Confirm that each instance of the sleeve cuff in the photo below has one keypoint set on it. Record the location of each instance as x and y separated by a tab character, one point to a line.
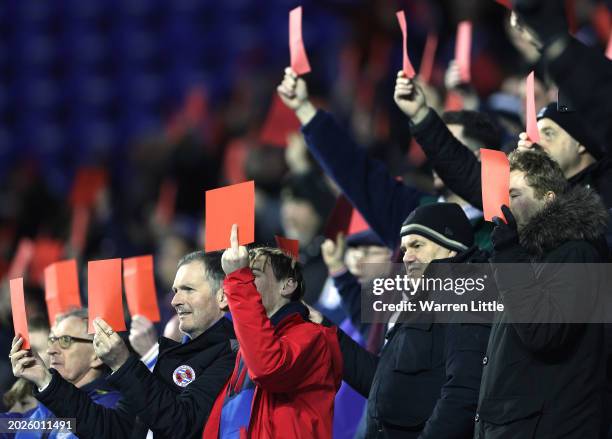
50	388
124	370
150	355
315	122
425	124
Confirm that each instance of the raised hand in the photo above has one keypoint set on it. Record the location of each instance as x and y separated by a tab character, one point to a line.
410	98
333	254
236	256
108	346
142	334
294	94
28	365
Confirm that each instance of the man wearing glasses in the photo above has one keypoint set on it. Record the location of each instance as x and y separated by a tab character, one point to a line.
72	356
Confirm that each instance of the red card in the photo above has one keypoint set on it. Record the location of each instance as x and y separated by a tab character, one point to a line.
506	3
290	246
495	179
79	227
358	224
429	56
20	320
46	252
530	111
339	219
87	184
140	289
61	288
104	298
166	202
454	101
23	257
299	59
609	48
463	49
280	122
570	15
406	65
229	205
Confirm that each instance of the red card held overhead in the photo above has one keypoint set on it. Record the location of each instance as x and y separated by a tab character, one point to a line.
290	246
166	202
20	320
229	205
429	57
46	252
340	218
78	229
280	122
506	3
299	59
104	293
358	223
88	182
530	110
406	64
22	259
61	288
463	50
140	291
495	179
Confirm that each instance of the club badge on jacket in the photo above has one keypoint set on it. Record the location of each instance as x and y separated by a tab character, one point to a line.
183	375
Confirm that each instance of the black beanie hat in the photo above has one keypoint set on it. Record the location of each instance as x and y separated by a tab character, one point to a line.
443	223
571	123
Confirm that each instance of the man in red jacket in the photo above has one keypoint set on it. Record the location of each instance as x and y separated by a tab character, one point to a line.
288	369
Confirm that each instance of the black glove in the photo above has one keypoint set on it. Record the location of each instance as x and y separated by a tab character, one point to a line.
504	235
545	18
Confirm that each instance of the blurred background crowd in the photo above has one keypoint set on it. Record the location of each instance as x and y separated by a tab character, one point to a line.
117	115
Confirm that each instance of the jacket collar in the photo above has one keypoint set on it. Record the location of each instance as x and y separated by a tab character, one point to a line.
287	310
577	214
218	332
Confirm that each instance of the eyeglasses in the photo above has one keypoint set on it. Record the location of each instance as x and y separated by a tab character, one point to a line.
65	341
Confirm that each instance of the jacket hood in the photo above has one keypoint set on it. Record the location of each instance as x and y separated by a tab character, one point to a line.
577	214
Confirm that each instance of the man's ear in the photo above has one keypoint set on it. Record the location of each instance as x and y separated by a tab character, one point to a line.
221	300
289	287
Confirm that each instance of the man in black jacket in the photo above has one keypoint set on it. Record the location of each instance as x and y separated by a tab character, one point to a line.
544	373
425	382
460	170
175	400
583	73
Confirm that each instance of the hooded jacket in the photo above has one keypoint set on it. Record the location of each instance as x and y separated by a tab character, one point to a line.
544	373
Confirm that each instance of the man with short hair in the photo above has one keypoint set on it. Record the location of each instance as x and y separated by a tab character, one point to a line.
562	136
173	401
288	369
544	372
565	139
73	360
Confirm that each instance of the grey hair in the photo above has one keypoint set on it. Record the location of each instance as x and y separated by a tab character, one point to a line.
213	271
80	313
